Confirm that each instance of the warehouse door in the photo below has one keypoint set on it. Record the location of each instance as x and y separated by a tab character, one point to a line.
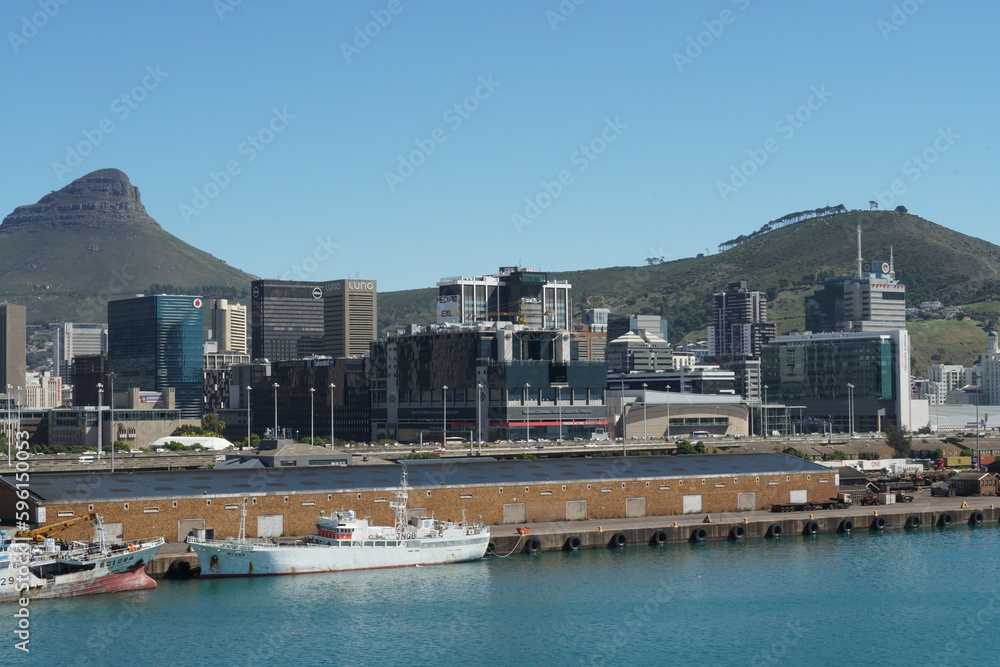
798	496
576	510
635	507
270	525
513	513
692	504
746	502
185	526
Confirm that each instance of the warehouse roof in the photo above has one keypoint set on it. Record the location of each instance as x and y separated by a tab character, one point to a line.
81	487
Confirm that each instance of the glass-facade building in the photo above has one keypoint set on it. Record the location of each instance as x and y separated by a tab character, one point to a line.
286	319
155	342
814	370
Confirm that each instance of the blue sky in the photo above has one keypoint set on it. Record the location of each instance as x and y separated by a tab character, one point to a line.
454	138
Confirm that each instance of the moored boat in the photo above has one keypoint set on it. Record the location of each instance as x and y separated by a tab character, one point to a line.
342	541
49	569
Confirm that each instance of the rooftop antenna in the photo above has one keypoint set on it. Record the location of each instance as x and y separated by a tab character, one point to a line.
859	251
892	266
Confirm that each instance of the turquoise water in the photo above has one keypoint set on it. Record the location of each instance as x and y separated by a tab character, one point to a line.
896	598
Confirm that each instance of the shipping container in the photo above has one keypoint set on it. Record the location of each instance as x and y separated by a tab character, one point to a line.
958	461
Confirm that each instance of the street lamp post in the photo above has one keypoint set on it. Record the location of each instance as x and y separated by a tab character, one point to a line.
312	416
645	433
559	407
850	412
527	414
7	425
624	425
479	426
111	416
333	442
248	416
275	434
444	417
100	406
668	412
763	414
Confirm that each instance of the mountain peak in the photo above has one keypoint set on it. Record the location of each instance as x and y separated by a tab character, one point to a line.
102	197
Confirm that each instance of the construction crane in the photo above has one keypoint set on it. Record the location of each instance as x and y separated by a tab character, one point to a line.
39	534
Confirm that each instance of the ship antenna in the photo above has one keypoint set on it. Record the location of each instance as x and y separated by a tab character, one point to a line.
243	519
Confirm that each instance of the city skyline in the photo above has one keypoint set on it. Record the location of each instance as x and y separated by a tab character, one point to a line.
494	134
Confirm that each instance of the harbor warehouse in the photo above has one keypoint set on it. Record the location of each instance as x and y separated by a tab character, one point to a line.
288	501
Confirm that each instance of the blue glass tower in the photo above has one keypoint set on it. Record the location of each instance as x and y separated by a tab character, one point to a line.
155	342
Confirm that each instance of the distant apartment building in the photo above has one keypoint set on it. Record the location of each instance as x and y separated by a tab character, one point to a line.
988	371
286	319
943	379
589	339
226	324
42	390
640	351
71	339
350	317
156	342
514	294
740	327
872	300
13	345
217	373
89	370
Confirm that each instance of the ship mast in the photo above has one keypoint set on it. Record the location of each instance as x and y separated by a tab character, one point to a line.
399	507
243	520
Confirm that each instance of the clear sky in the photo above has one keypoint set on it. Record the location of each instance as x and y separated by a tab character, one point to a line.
456	137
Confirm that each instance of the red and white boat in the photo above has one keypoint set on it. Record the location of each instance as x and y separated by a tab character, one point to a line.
52	570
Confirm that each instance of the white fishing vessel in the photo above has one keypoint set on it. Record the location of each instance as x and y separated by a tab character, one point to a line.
35	566
342	542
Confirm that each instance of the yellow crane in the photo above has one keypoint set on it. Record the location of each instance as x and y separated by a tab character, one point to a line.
39	534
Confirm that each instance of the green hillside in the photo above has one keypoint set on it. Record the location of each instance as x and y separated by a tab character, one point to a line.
67	255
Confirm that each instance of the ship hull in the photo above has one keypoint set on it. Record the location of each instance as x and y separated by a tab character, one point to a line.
235	560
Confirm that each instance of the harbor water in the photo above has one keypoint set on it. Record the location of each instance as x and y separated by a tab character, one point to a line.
929	596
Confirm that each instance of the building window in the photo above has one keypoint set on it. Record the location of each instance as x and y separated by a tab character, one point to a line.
647	485
126	504
329	496
501	489
465	496
208	503
232	506
525	489
90	508
736	480
773	483
664	487
173	503
808	477
756	479
606	489
150	510
788	479
720	485
286	497
253	501
824	480
308	503
359	497
702	481
428	494
66	513
545	493
588	487
377	500
623	485
563	487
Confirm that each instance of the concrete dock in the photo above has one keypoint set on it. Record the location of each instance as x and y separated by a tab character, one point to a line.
924	513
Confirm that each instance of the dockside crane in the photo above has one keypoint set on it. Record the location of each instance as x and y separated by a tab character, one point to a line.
39	534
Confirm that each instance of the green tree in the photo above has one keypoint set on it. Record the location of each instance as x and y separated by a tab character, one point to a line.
211	424
836	455
899	440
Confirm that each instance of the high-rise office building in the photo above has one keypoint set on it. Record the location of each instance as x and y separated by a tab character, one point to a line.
155	342
513	294
875	301
286	319
71	339
741	327
227	326
350	317
988	371
13	345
